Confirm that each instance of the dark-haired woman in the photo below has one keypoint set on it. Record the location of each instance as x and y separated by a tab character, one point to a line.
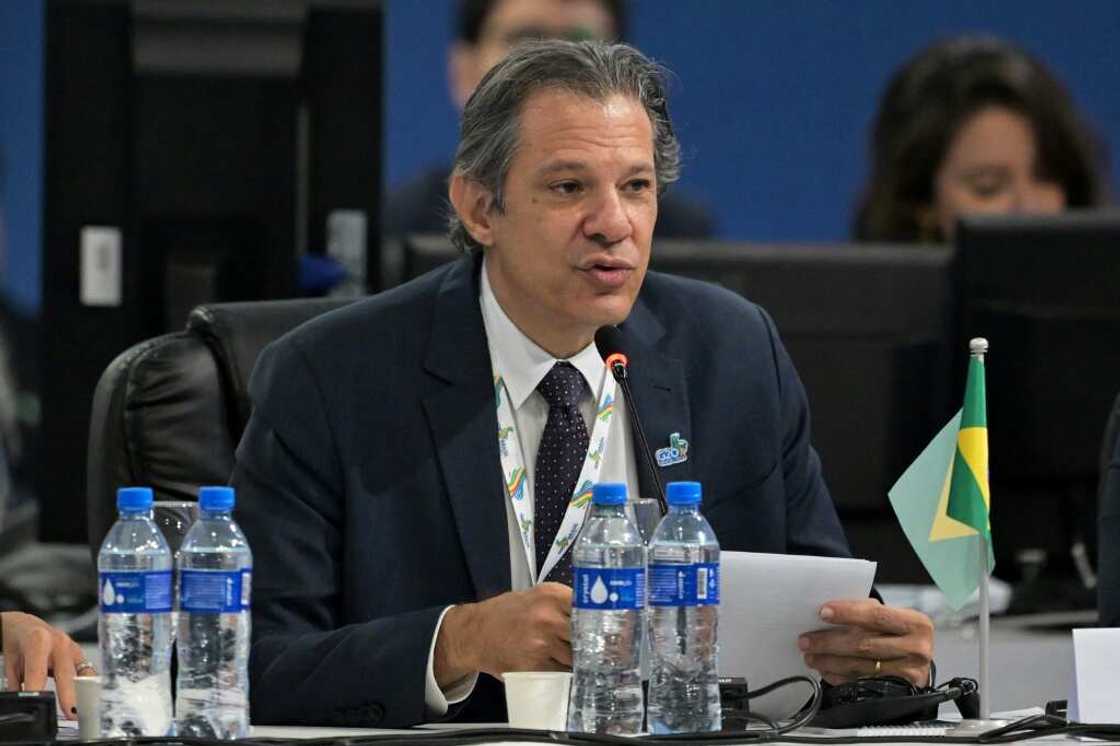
973	125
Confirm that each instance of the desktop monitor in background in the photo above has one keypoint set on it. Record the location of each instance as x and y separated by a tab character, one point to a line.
1045	291
868	329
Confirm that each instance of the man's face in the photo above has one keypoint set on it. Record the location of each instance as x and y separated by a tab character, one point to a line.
569	252
513	21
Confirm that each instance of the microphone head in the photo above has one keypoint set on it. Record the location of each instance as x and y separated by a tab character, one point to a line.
608	341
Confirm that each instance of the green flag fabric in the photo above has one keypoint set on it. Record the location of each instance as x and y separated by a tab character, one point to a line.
968	494
947	547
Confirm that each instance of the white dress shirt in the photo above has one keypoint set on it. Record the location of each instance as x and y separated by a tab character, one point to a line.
523	364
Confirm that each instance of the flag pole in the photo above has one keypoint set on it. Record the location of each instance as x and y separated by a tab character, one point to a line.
978	347
985	618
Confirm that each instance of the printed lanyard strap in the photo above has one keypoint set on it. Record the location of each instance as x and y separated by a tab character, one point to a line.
514	474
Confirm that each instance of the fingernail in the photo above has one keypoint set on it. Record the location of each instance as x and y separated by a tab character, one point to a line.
803	643
826	613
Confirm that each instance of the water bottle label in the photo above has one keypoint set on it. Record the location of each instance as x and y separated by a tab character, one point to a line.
609	588
684	585
135	591
246	586
215	591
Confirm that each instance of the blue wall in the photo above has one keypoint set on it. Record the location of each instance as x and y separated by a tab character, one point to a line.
21	147
773	98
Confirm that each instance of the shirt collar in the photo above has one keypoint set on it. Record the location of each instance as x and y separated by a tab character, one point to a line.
520	361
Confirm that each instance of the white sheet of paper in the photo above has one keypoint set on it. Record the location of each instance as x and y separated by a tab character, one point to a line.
1096	659
766	602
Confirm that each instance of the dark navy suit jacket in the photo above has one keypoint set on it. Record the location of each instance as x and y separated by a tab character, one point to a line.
370	489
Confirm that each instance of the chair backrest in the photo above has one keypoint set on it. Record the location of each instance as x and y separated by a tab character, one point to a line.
169	412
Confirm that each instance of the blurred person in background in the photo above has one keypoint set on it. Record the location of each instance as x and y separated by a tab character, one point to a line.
485	32
973	125
34	650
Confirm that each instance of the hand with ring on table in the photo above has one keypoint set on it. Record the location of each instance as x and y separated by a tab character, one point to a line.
34	650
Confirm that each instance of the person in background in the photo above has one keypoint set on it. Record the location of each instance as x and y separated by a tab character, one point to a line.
973	125
34	650
485	32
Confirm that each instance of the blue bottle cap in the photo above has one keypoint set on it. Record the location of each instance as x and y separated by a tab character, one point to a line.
134	498
609	493
683	493
215	498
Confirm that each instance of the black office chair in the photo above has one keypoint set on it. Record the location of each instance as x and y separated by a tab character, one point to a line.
1108	543
169	412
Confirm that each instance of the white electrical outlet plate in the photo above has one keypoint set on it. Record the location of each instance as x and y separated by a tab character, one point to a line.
101	266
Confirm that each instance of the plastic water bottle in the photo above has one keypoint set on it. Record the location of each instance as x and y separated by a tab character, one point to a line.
215	581
684	617
609	574
134	627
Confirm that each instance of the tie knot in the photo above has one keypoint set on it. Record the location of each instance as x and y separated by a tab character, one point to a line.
562	386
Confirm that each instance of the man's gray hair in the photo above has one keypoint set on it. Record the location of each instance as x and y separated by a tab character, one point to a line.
488	135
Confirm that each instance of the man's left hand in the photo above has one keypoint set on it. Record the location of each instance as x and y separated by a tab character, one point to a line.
871	640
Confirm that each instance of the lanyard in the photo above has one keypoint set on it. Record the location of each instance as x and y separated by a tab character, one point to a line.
514	473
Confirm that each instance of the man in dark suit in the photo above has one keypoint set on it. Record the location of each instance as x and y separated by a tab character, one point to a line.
410	476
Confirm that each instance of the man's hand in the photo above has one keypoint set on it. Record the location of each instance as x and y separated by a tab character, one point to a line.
873	640
518	631
33	650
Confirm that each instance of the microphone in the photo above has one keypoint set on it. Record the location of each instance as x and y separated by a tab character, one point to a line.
611	347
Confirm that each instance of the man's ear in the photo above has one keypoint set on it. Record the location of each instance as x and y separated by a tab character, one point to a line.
462	72
472	203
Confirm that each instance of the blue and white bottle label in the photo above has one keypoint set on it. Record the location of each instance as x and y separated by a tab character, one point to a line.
684	585
135	591
215	591
609	588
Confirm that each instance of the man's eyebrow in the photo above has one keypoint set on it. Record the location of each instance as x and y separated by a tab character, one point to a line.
577	166
640	168
557	166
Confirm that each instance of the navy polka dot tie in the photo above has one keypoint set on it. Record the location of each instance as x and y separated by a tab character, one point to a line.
559	462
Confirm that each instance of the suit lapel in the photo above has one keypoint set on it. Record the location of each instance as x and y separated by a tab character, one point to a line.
660	396
464	424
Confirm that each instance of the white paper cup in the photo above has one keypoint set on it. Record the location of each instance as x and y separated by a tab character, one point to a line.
88	689
538	699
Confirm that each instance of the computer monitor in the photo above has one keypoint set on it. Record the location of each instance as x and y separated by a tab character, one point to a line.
1044	291
868	328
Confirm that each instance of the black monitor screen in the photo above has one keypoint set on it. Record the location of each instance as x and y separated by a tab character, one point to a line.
1045	291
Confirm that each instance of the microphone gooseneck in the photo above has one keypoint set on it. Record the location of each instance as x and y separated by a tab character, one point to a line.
609	343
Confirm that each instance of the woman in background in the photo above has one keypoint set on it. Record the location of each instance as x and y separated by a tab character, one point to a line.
973	125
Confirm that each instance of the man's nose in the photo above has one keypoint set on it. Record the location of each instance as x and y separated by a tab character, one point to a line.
609	221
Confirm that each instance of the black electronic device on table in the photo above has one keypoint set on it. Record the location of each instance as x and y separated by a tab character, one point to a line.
890	700
28	716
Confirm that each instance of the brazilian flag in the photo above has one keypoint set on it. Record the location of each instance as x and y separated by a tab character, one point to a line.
968	491
942	499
